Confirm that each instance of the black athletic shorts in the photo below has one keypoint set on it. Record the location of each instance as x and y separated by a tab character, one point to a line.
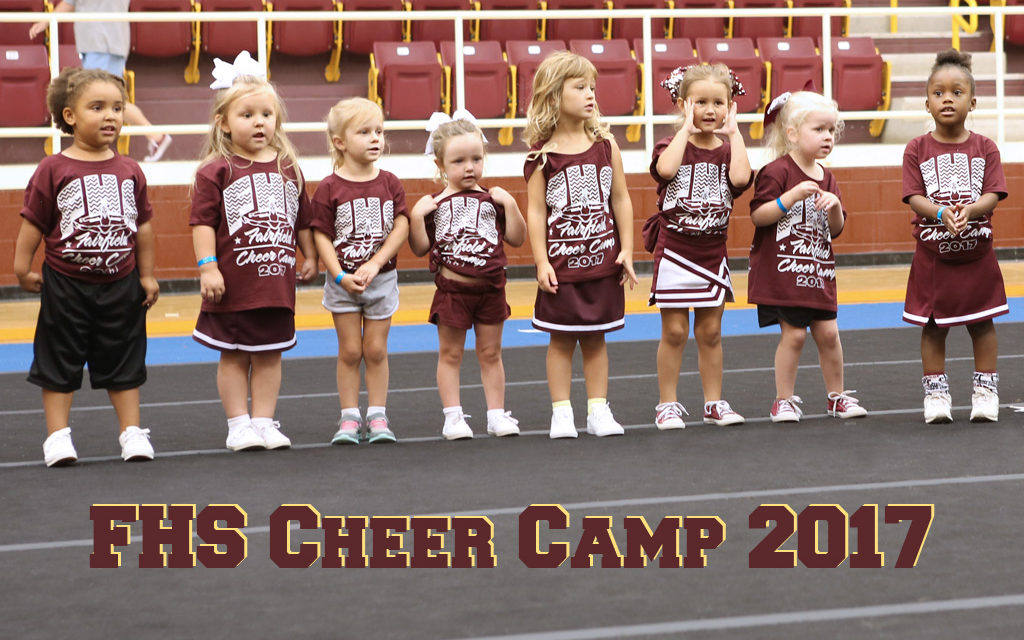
79	322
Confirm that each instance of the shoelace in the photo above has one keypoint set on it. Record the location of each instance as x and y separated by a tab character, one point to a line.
845	397
508	416
672	410
722	406
133	435
349	425
792	403
379	424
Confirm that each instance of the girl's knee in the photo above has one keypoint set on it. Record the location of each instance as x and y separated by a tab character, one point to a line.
375	353
709	335
350	354
674	335
488	353
450	353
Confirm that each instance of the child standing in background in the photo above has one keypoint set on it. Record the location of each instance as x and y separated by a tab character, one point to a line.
953	180
797	211
580	219
90	206
248	203
359	224
698	176
464	228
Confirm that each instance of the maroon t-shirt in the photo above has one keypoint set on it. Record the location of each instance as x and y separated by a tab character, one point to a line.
791	261
698	200
583	241
255	212
358	216
89	214
467	233
949	174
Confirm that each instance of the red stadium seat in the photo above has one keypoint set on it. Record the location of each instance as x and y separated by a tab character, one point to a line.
24	77
17	32
166	39
507	29
616	74
68	56
666	56
227	39
586	29
631	29
861	80
359	37
308	38
760	27
486	73
792	63
739	55
437	31
694	28
1013	26
405	79
523	59
811	27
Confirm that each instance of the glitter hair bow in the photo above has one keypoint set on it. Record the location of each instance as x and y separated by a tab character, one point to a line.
775	106
675	80
225	73
439	118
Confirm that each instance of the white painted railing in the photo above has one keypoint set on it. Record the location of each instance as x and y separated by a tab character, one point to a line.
648	119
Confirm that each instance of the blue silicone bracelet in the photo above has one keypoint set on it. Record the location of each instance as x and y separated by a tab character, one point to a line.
338	278
205	260
778	201
938	216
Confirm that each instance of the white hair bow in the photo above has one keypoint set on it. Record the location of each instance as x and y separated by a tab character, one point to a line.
224	73
439	117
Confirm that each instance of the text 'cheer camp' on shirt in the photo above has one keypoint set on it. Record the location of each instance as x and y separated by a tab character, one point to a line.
89	214
791	261
467	233
949	174
256	212
582	239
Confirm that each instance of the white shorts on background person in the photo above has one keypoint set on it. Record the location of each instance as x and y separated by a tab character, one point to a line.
378	302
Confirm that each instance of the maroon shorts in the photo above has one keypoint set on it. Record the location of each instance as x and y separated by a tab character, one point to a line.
591	306
953	293
463	304
271	329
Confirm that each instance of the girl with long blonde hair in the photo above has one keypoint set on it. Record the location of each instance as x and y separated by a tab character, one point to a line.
248	209
580	222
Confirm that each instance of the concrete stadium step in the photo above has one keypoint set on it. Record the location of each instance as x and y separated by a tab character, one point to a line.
902	131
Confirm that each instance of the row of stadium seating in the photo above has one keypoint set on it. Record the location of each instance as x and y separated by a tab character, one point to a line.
314	38
403	73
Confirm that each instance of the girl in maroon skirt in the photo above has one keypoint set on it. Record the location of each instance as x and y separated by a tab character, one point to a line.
249	208
464	227
952	180
581	234
796	211
698	175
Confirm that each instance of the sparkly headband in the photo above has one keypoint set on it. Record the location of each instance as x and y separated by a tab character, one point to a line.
772	112
675	80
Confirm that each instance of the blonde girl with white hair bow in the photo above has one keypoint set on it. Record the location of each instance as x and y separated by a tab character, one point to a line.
464	228
249	211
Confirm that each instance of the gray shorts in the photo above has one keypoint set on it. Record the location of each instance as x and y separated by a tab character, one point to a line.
378	302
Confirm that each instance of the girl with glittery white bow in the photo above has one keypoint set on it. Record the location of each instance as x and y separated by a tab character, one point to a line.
463	227
249	209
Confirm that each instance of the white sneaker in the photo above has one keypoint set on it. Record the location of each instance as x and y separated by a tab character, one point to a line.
601	423
503	425
787	409
135	445
457	429
669	415
938	408
563	423
58	449
272	436
244	438
157	149
984	405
